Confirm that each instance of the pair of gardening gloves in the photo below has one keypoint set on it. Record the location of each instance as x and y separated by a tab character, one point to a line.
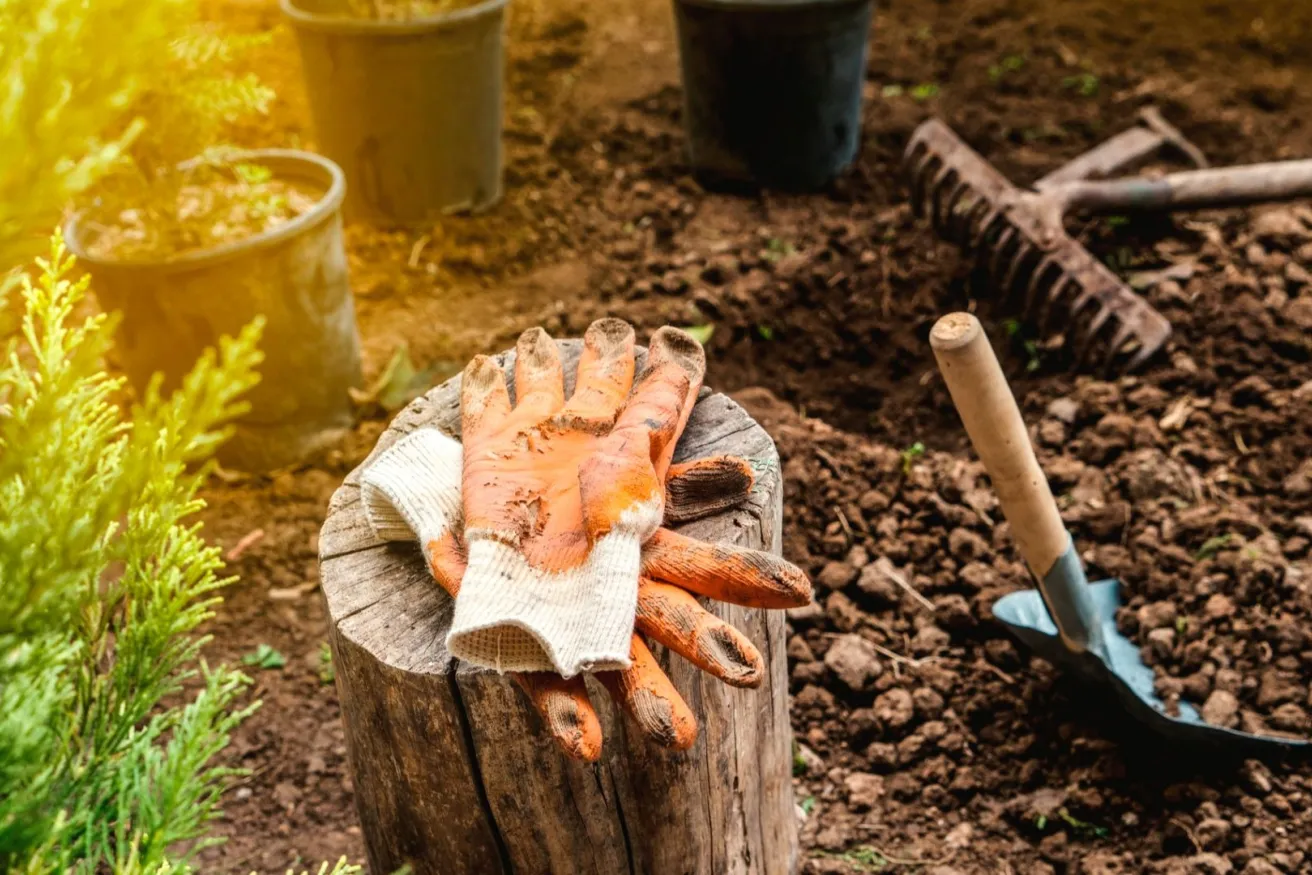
546	528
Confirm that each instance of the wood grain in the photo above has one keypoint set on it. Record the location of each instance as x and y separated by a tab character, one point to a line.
453	771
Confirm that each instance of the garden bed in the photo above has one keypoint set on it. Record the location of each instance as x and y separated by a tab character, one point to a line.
927	738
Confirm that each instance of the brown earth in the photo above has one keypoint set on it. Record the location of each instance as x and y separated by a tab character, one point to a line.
947	749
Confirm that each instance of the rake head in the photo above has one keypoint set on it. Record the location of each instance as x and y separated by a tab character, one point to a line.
1017	238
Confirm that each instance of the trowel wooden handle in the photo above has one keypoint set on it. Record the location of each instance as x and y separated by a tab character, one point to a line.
992	419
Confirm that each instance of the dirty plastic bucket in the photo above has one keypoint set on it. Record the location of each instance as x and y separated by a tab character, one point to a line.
293	275
772	88
411	110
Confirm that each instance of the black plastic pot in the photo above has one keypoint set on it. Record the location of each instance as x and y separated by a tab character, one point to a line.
294	275
411	110
772	88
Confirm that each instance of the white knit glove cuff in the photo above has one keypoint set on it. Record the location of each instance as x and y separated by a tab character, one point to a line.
513	617
412	490
510	616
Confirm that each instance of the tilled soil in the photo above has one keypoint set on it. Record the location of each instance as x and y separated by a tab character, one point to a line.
929	735
928	741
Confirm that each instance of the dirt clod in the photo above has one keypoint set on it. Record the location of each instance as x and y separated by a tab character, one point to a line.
854	661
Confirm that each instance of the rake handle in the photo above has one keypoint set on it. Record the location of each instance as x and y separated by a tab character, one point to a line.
1195	189
988	410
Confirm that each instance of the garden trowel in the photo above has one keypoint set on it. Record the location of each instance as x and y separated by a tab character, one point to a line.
1067	620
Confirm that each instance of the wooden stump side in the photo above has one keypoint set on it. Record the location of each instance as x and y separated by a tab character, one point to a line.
454	772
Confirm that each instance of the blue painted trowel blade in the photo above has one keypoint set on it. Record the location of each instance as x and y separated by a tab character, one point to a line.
1117	662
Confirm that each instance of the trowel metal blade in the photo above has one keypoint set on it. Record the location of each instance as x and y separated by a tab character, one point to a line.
1119	664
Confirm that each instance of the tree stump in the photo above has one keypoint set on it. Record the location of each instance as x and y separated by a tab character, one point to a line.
454	772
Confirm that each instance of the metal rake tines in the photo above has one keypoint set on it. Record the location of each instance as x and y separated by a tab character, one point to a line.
951	184
1031	266
1103	315
1104	318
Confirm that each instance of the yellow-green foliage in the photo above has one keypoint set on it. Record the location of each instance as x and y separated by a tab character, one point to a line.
204	95
70	74
85	84
109	721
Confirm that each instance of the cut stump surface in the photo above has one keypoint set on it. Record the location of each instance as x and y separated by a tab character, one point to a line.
454	772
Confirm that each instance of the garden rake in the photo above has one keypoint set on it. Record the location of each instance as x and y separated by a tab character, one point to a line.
1019	239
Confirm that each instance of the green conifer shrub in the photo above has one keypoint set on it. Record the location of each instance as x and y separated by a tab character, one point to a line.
109	719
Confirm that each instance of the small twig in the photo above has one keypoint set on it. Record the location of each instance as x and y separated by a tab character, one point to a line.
418	250
828	460
292	593
896	657
847	527
911	590
247	541
984	663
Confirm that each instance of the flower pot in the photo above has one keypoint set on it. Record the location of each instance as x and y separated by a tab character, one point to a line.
411	110
772	88
293	275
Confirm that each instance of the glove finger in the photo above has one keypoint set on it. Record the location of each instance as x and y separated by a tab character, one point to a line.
605	374
446	559
704	487
484	401
647	695
566	710
621	482
725	572
666	392
671	616
539	378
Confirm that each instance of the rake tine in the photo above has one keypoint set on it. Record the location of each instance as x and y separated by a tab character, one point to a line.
956	211
918	177
1037	281
1099	320
1085	297
1089	336
1081	348
960	200
1146	351
982	229
1003	244
1124	333
1016	269
1055	295
966	226
1095	327
936	199
972	219
914	148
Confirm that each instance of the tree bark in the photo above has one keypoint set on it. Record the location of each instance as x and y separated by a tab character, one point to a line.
453	770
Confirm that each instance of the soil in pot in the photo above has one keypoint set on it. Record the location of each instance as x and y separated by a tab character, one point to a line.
210	205
402	10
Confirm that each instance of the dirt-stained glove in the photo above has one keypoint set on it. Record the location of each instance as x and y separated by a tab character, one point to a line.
618	467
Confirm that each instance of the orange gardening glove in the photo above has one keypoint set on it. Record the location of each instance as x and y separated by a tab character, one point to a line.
544	463
559	496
